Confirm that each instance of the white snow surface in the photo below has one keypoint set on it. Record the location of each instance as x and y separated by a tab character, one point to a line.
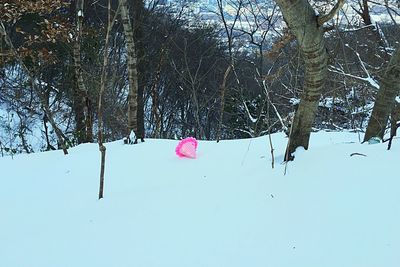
227	208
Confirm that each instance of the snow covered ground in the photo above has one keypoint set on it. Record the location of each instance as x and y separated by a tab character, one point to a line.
225	208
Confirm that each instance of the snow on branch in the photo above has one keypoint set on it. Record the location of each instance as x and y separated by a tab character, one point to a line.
253	120
274	107
369	79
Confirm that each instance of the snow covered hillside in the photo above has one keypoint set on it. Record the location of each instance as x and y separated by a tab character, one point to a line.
225	208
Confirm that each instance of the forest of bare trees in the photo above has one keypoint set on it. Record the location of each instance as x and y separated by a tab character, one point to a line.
75	71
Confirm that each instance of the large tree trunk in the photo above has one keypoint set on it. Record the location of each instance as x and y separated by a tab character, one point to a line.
82	111
132	71
303	22
385	100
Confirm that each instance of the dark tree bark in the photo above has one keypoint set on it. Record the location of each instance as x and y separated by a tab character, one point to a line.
82	101
155	113
385	100
138	9
364	11
222	106
308	29
132	72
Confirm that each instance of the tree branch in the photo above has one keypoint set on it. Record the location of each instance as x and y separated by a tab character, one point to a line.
331	14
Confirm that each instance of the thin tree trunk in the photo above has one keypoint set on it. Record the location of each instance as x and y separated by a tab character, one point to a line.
132	72
198	131
365	12
138	8
81	98
102	147
154	97
308	29
394	123
222	107
57	131
385	100
46	133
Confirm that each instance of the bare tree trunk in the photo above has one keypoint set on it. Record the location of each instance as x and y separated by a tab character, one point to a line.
154	97
138	8
385	100
364	12
102	147
56	130
46	132
198	131
81	98
229	31
132	72
307	27
394	123
222	107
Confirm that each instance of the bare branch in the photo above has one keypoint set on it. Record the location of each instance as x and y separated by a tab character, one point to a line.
331	14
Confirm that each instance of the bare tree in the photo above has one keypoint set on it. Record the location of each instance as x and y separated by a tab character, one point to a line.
132	72
102	147
36	88
385	100
138	38
308	28
363	11
81	98
229	32
376	34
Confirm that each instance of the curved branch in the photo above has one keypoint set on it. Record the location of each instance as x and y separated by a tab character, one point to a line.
331	14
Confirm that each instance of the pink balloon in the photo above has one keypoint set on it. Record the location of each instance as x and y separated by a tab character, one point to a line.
187	148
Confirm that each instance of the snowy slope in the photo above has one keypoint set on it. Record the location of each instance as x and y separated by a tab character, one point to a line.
225	208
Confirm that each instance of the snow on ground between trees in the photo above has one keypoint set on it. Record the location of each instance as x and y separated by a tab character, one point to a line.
225	208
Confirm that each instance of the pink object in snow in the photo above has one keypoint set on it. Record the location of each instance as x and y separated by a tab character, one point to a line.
187	148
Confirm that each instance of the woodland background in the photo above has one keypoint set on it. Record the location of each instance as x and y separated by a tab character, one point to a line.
66	74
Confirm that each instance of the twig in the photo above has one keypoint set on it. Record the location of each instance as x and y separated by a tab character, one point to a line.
287	154
272	149
357	154
245	155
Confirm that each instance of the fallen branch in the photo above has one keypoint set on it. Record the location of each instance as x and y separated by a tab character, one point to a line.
357	154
